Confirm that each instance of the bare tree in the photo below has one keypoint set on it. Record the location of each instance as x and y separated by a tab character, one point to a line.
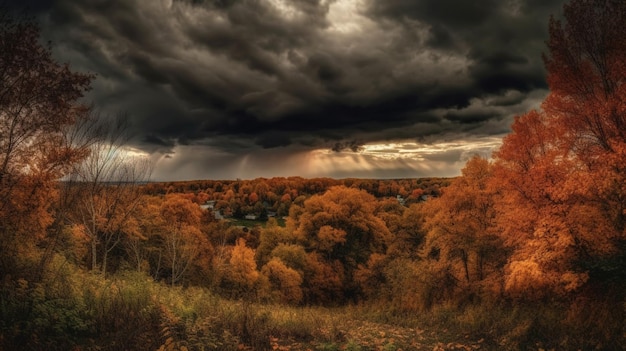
106	187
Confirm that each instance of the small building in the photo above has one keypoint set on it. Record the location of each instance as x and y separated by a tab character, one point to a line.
209	205
400	199
251	217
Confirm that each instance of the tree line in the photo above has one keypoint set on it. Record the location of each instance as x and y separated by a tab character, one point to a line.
237	198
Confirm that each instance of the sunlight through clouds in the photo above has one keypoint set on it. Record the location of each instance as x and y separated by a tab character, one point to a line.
345	17
421	151
402	159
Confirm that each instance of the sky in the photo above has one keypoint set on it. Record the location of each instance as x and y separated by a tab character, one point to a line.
225	89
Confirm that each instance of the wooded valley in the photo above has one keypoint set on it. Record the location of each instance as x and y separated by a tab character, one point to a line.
523	251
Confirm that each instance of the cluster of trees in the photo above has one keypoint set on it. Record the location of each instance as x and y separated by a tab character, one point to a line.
257	196
315	259
545	219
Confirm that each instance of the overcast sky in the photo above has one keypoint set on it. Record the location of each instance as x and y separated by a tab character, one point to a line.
224	89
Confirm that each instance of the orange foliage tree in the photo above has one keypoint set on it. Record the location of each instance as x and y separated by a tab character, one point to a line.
323	280
461	227
563	169
39	99
340	226
182	238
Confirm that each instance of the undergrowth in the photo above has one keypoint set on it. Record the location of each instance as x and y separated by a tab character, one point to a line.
74	309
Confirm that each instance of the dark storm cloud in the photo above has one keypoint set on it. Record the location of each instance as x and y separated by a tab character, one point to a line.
470	116
457	15
253	74
32	6
502	39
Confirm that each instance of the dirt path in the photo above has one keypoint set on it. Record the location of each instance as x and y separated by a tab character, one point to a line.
357	335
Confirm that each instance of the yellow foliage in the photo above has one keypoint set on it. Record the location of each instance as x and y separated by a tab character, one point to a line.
525	279
242	269
285	282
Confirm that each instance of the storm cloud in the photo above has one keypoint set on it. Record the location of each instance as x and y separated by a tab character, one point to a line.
278	77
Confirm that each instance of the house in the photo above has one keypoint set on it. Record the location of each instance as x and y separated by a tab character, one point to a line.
400	199
209	205
251	217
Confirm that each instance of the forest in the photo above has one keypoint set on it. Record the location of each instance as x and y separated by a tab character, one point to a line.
525	250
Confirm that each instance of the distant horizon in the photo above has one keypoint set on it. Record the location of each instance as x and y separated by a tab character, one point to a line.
389	160
288	177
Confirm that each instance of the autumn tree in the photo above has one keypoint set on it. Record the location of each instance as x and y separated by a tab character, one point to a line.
284	281
220	235
587	79
106	187
341	226
139	248
292	255
531	172
586	73
182	237
409	232
39	100
462	228
562	169
371	276
271	236
242	274
324	281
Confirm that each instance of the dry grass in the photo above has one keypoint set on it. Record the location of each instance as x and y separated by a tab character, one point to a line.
91	312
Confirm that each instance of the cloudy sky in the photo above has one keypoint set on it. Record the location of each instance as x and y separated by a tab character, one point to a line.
224	89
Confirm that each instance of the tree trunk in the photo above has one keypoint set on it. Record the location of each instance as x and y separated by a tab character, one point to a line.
94	252
464	259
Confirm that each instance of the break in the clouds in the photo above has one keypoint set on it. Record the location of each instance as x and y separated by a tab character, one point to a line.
247	88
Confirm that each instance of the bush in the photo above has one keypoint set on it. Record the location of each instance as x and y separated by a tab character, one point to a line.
45	314
122	310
